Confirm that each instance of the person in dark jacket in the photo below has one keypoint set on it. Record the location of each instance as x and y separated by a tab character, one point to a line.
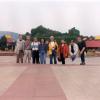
82	48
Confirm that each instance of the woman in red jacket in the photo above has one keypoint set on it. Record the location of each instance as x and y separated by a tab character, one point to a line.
63	51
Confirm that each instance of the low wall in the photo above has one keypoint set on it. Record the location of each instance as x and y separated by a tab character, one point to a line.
96	54
7	53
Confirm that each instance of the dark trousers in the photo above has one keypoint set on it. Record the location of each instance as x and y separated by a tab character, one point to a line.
35	57
62	58
53	57
82	57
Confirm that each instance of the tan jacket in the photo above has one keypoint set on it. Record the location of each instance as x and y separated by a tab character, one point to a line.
19	46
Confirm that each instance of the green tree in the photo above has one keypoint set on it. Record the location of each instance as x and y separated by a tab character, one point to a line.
73	34
3	43
42	32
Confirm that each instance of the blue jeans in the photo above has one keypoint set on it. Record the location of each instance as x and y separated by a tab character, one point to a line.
53	57
42	57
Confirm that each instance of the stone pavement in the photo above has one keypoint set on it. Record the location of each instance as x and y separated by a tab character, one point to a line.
49	82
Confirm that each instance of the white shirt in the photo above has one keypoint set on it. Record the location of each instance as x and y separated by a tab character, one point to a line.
75	46
35	45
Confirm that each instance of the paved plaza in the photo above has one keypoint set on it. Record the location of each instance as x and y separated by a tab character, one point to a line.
49	82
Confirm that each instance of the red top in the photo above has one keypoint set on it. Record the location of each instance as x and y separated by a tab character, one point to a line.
63	48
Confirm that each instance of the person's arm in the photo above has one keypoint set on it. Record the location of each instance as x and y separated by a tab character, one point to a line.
59	49
31	45
46	48
49	49
76	49
70	50
23	45
83	49
66	50
39	47
56	46
16	47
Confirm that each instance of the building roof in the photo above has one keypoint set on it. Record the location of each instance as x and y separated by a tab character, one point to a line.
93	43
97	37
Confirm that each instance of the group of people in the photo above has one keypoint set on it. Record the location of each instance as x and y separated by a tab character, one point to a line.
39	50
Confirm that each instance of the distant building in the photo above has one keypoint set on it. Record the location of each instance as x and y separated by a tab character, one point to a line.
97	37
93	47
93	43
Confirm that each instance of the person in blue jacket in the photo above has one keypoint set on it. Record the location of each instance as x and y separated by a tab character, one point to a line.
42	51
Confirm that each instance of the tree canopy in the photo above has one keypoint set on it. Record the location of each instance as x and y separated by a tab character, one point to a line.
42	32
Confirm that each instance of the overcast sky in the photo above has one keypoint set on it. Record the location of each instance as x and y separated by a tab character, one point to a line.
22	15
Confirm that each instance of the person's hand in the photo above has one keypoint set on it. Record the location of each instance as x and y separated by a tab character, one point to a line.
53	48
81	53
